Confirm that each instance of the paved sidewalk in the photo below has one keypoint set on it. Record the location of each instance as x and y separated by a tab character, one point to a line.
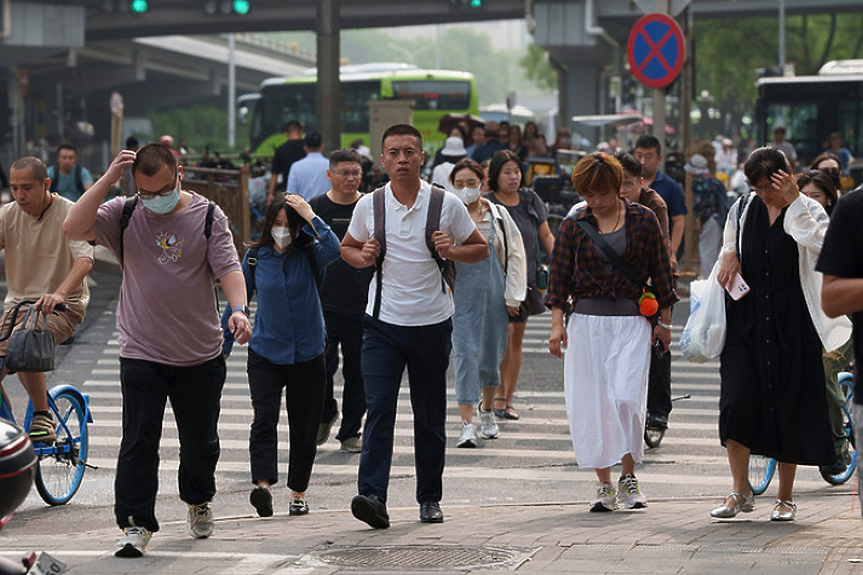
671	536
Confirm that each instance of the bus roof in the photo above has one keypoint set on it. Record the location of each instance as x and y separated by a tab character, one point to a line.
398	74
791	80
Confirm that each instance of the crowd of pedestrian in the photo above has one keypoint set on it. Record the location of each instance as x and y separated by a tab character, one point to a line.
411	273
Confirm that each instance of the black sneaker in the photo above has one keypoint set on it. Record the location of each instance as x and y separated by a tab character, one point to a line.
840	466
261	499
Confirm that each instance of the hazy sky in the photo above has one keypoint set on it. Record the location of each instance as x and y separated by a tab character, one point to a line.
504	34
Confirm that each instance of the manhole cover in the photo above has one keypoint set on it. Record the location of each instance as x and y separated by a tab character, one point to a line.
429	557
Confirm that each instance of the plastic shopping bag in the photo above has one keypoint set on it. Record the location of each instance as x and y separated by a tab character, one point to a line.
704	335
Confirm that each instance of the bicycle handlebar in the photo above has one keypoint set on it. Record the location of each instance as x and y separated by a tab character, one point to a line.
8	333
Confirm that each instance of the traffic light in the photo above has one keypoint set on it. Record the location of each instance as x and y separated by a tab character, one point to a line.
138	6
476	3
240	7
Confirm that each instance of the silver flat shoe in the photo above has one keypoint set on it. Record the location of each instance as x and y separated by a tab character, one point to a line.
790	510
742	503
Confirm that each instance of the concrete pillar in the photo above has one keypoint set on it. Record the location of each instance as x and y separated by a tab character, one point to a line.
580	83
328	102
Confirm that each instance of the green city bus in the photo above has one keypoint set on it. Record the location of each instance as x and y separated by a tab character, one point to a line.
435	93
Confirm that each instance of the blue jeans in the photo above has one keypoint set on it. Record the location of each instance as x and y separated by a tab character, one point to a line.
387	350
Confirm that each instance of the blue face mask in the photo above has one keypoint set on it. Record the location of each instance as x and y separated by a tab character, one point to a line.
162	204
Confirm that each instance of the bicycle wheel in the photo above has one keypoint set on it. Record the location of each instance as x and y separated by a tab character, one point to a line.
61	465
761	471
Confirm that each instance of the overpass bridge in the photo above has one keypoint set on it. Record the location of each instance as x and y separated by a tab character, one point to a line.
54	51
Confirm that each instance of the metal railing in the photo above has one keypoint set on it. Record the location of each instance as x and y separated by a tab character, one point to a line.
229	188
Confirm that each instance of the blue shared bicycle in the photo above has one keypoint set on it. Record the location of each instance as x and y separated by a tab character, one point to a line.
62	462
761	469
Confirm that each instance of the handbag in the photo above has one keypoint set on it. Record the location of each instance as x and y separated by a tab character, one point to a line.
647	291
704	335
31	349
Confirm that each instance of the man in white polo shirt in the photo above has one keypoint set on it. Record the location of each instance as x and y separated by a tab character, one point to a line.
409	325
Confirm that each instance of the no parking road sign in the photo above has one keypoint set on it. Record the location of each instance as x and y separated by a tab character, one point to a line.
656	50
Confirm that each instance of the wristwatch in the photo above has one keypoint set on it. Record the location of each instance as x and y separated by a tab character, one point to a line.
242	308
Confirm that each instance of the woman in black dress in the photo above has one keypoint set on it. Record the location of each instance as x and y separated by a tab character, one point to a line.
773	397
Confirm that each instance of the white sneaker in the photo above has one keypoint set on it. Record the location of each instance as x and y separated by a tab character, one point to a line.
488	429
468	436
201	520
629	490
606	498
134	542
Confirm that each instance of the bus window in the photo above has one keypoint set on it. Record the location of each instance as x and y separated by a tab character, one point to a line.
355	105
434	94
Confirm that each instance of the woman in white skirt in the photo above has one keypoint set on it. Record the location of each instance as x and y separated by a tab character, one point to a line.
606	367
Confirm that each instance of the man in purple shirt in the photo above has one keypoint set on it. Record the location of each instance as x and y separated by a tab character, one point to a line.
172	252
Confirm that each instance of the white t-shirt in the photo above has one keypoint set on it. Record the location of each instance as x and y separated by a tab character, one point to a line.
411	294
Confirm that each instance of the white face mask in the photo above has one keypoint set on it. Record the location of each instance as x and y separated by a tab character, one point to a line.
467	195
282	236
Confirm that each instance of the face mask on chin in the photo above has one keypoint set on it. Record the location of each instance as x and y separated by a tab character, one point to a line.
162	204
281	236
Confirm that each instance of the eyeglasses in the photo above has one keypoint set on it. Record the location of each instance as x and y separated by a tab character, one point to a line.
349	173
163	192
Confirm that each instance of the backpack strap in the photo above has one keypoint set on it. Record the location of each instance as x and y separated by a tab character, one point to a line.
432	225
56	172
79	182
380	234
208	221
125	216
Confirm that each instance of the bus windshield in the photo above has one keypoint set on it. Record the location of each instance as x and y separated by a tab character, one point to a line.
810	108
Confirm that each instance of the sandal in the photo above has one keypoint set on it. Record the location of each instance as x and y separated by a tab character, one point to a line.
500	413
510	413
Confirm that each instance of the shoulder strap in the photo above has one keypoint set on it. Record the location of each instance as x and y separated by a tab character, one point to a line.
380	234
744	201
432	225
612	255
208	221
253	264
79	182
498	215
125	216
56	171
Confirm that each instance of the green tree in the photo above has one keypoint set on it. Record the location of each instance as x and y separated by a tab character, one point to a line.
538	68
728	53
201	126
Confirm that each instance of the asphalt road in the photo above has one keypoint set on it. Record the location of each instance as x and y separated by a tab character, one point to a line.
530	463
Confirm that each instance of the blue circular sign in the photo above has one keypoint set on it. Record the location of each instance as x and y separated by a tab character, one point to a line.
656	50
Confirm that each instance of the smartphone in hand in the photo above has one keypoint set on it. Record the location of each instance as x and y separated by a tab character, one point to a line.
738	287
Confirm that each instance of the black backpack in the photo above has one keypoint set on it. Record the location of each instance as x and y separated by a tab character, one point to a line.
446	267
129	207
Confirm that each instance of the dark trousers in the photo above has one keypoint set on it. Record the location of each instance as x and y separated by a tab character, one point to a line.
195	393
659	385
345	330
304	399
387	349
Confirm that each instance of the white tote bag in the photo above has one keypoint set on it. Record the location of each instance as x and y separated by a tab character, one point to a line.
704	335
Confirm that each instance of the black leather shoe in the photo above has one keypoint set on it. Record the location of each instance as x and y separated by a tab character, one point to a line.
371	510
430	512
659	422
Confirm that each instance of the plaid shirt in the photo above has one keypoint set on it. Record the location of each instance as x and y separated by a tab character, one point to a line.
577	272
